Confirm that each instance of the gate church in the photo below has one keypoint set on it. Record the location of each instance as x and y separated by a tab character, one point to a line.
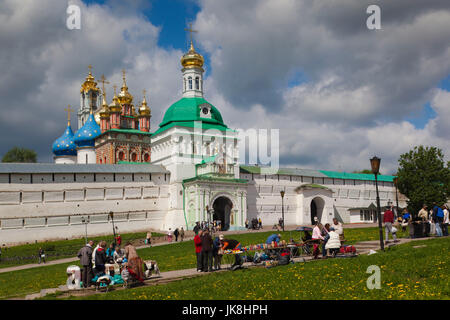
186	171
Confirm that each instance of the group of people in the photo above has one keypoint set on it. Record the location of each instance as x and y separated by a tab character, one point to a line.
255	224
209	251
177	233
94	260
434	221
330	235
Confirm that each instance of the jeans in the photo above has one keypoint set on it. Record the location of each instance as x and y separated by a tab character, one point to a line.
325	240
438	229
388	229
199	261
445	229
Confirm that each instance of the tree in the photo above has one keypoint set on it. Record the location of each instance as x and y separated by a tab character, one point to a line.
17	154
423	177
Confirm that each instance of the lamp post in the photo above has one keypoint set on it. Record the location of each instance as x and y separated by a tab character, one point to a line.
396	196
282	206
111	215
375	164
84	221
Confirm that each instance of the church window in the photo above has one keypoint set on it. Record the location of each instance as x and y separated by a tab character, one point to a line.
197	83
121	156
190	83
133	157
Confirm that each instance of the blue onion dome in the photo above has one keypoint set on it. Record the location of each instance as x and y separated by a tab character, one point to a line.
65	145
85	136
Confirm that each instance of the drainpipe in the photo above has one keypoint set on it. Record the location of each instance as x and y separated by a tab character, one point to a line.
184	210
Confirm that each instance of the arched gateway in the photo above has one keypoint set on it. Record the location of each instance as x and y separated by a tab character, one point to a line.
222	211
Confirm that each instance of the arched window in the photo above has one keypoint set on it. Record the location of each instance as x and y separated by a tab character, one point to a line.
197	83
190	83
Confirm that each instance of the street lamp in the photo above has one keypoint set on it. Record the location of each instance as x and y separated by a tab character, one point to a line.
282	206
396	196
111	215
85	222
375	164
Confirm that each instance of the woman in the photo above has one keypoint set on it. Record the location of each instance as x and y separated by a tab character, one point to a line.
110	253
316	238
135	263
333	243
326	236
100	258
405	219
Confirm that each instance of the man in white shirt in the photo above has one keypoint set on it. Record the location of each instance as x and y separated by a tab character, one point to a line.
446	220
338	228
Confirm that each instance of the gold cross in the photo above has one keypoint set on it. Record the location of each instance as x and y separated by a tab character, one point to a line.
69	110
115	88
144	92
90	69
190	31
103	81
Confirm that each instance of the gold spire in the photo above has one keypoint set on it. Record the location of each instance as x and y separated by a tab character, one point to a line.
192	59
115	106
144	110
89	83
69	110
124	96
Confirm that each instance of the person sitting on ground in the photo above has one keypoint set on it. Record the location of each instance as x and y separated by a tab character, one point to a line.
135	263
119	255
334	243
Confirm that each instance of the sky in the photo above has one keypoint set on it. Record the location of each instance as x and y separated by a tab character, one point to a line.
338	92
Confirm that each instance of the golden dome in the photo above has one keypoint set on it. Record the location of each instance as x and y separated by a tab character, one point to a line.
192	59
89	83
104	111
114	105
124	96
144	110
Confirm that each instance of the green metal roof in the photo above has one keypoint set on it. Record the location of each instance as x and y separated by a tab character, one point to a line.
133	131
357	176
192	124
214	179
187	109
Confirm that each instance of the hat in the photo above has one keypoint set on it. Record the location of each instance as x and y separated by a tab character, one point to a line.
221	237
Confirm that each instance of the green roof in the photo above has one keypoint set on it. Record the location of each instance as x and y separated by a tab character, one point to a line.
214	179
316	173
357	176
191	124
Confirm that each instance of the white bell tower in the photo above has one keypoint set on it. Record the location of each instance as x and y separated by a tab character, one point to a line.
192	71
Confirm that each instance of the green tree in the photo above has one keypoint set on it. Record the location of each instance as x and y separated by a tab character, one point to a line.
17	154
423	177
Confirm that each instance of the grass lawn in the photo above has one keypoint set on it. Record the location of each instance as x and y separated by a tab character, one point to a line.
170	257
406	273
28	253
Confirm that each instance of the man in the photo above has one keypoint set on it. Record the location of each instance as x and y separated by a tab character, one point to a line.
182	234
41	255
176	233
198	250
388	220
438	218
273	237
207	251
196	227
85	256
338	228
446	220
423	213
217	253
231	244
260	223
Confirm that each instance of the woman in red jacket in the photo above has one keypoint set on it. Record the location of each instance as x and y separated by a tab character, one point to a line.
198	250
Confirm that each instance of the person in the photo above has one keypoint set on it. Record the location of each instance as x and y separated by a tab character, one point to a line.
338	228
217	253
260	223
273	238
198	250
176	233
207	251
196	227
405	219
100	258
316	238
119	240
334	243
93	254
134	262
326	236
110	253
41	254
246	223
119	255
446	220
431	222
388	220
85	256
169	235
423	213
182	234
231	244
438	218
148	238
307	236
281	223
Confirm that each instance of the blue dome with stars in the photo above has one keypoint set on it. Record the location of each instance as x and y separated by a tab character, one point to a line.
85	136
65	145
